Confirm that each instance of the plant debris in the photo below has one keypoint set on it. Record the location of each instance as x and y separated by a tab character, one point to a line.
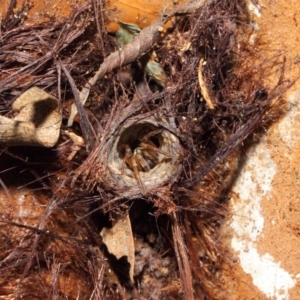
119	241
203	88
165	155
37	124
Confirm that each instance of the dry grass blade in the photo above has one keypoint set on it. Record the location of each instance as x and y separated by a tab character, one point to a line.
203	89
85	124
182	259
29	53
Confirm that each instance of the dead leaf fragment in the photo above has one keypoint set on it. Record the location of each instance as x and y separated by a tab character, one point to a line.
37	124
119	241
143	13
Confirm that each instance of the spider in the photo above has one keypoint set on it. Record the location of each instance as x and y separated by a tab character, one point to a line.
143	158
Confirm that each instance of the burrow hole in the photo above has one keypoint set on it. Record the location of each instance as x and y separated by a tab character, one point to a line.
133	136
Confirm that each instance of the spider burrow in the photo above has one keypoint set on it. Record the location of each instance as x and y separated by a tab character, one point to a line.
143	157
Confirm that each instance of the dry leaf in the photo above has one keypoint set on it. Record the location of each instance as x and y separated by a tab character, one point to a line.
141	12
37	124
119	241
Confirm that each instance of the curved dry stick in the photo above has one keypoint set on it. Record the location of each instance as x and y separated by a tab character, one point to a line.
132	51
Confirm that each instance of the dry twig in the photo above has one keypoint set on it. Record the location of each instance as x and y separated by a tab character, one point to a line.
134	50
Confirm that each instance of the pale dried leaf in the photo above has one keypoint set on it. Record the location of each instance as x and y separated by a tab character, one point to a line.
37	124
119	241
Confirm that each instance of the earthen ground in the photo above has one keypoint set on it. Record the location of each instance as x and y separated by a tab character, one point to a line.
279	29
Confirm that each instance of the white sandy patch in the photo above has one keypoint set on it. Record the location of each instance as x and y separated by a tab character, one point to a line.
288	128
254	184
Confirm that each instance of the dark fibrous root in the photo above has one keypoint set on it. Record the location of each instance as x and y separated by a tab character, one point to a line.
188	135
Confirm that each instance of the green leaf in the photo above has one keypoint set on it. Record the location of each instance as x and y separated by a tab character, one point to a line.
126	33
155	72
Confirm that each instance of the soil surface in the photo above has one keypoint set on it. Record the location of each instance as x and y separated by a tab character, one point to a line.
278	237
270	178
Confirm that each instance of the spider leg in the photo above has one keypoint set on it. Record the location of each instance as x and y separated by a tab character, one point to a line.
150	134
149	146
135	168
127	156
150	158
134	161
140	159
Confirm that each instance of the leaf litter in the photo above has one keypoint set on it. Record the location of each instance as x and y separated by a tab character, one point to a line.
175	224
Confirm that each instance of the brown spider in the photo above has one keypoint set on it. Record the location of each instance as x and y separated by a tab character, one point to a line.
143	158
